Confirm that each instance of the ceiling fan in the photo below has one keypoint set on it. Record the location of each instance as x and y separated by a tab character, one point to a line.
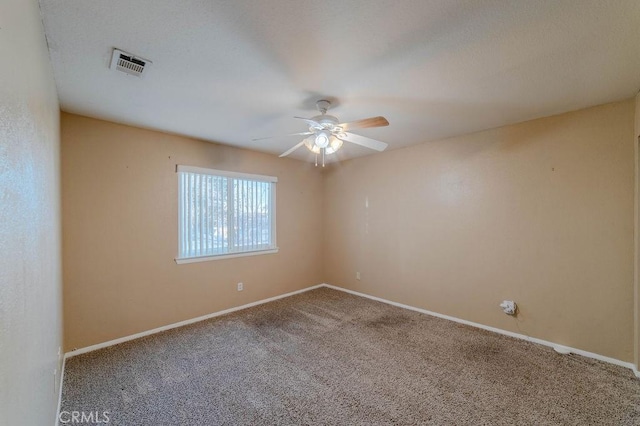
326	133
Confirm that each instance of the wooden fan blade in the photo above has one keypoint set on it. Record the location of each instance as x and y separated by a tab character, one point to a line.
282	136
284	154
311	123
364	141
364	123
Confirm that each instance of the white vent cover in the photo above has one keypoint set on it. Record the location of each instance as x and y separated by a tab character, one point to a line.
128	63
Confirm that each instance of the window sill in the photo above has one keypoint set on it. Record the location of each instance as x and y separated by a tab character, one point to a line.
182	260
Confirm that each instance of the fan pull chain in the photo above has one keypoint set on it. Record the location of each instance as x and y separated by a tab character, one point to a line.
323	149
316	160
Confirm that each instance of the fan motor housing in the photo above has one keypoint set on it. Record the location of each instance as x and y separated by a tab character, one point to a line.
326	119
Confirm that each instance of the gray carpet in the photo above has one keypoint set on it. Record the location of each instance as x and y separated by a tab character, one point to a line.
327	357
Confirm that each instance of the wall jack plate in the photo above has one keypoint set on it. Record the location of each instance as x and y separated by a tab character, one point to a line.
509	307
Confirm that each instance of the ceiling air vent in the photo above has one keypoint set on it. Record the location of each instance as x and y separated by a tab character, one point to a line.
128	63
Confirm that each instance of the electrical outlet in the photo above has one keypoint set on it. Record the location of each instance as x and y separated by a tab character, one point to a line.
240	286
358	276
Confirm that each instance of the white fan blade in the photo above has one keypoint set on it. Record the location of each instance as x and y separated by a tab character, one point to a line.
363	141
312	123
284	154
290	134
364	123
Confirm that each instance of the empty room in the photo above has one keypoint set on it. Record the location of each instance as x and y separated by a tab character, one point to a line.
342	212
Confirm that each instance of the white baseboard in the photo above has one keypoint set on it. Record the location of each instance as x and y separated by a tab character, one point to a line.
496	330
181	323
64	359
379	299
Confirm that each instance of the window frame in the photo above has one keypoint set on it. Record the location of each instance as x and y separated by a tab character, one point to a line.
273	248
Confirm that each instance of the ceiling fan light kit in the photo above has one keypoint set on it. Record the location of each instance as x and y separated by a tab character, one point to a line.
327	134
332	145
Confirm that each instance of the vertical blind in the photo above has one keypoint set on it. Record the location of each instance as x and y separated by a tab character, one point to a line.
224	212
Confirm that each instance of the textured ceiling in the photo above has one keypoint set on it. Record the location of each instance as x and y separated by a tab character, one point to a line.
230	71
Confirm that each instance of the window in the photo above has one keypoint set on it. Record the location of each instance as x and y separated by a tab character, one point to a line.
224	214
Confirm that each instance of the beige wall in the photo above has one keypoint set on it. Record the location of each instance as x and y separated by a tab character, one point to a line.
30	277
539	212
119	196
